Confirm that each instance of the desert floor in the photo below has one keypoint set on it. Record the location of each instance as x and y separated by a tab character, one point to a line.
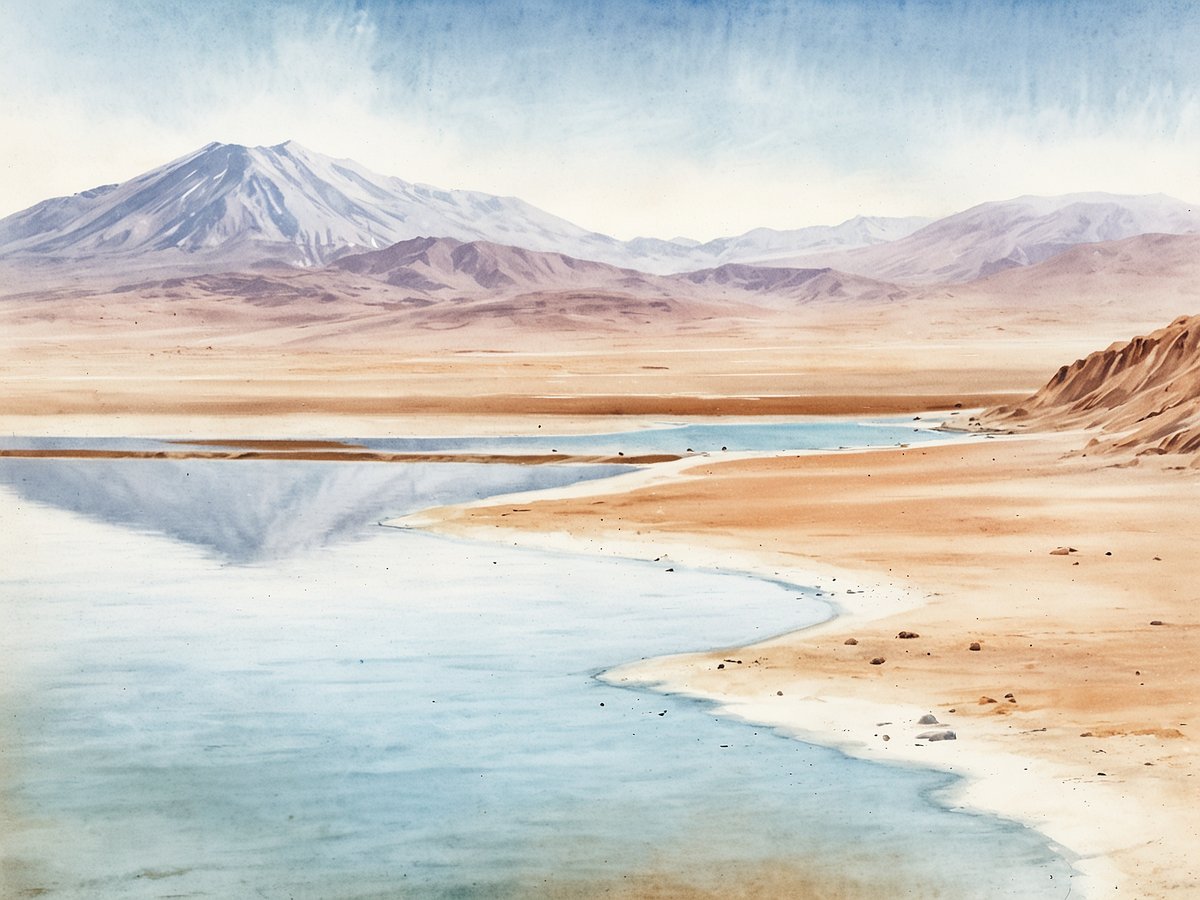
1095	745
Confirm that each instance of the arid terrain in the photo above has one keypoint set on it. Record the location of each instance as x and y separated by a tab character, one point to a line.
1029	587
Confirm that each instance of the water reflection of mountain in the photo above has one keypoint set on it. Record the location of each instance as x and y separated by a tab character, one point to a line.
254	510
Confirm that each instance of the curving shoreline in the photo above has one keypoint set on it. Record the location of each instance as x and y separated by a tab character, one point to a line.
1083	753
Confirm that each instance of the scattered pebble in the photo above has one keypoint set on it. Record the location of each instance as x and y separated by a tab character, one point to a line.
984	701
908	635
974	646
1156	621
779	693
946	735
850	642
720	665
928	719
878	661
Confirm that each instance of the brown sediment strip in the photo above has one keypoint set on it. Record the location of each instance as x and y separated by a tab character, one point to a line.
532	459
503	404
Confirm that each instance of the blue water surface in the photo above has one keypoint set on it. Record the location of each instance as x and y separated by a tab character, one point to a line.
224	679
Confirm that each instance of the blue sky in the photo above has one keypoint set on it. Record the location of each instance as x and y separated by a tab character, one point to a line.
663	118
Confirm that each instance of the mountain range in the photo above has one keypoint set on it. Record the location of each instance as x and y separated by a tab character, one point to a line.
228	207
994	237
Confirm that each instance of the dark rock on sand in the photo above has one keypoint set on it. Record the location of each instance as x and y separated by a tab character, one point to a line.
946	735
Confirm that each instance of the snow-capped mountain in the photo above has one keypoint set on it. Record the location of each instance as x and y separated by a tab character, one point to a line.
992	237
229	206
765	245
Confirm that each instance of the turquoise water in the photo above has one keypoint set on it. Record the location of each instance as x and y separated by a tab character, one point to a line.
680	439
810	434
192	708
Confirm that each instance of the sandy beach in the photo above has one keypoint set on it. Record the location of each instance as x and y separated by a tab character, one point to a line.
1072	576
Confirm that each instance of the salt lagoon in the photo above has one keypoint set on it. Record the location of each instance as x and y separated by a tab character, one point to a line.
224	679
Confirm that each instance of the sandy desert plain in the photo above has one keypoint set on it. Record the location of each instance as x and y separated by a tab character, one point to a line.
1045	566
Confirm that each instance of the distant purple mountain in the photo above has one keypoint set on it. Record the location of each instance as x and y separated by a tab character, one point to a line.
1008	234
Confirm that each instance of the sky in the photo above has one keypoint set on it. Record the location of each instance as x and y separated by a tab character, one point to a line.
633	117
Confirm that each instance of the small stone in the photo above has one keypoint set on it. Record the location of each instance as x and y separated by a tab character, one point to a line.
850	642
720	665
1060	551
887	737
779	693
907	635
974	646
946	735
928	719
878	661
984	701
1156	621
1008	696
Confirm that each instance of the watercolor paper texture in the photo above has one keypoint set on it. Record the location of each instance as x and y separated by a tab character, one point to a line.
626	449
